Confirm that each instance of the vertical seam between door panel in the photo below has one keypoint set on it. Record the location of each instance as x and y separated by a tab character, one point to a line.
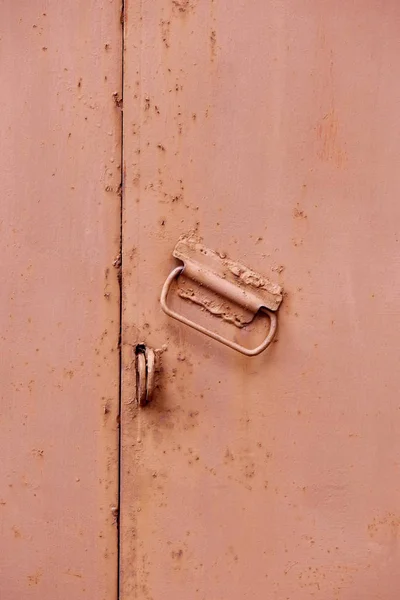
122	19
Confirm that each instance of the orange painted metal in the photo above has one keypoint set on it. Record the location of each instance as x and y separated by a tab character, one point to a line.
59	299
271	129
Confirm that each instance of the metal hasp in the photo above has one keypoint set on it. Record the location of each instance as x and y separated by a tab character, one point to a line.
145	368
237	284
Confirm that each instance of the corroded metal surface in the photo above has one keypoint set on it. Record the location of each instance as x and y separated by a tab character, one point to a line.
59	299
271	129
226	277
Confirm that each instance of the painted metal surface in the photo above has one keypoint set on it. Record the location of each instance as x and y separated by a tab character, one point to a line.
60	150
271	129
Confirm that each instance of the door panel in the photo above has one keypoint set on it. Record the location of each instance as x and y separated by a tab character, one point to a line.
271	130
59	369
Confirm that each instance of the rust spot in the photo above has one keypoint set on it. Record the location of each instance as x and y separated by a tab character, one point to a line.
213	44
278	268
38	453
115	513
386	527
35	578
298	213
182	6
219	309
249	470
165	27
297	242
229	456
117	262
117	100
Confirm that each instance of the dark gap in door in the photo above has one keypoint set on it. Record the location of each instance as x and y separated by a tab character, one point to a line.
120	276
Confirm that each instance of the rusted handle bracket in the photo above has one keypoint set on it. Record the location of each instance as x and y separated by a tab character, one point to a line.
215	336
145	367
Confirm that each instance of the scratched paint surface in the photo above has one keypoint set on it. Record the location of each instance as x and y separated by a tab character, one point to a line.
59	299
271	129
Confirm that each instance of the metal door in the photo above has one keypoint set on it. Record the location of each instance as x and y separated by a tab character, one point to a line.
60	64
271	130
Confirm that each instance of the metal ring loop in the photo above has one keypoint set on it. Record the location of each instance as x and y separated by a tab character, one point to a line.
145	373
215	336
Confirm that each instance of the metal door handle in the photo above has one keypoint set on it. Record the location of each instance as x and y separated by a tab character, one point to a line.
248	352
